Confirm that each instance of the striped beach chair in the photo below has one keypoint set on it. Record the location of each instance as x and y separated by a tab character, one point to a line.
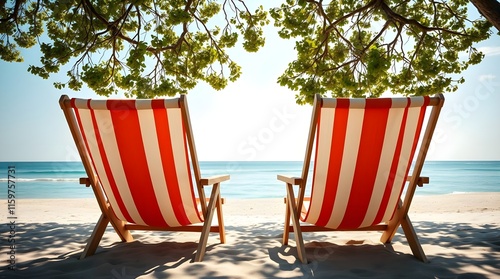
141	163
363	153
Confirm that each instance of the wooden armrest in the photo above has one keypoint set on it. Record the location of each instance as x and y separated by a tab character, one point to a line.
214	179
308	199
421	180
290	180
223	200
85	180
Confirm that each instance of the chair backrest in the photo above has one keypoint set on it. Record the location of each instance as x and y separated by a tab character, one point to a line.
364	149
139	152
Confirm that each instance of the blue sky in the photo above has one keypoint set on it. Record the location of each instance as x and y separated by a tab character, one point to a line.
252	119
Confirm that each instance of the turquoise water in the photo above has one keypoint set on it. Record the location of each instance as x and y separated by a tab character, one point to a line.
51	180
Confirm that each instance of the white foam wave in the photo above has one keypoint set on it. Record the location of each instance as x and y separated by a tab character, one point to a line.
40	179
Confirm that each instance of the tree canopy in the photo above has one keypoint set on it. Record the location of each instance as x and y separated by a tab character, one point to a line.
143	47
150	48
365	48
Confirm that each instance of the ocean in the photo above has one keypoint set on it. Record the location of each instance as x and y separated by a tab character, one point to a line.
249	180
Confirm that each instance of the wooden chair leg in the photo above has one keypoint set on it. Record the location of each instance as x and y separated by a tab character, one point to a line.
119	226
294	213
202	245
220	219
408	230
413	241
286	231
393	225
96	237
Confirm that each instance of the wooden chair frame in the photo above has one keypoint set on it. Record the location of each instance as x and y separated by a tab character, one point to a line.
294	202
122	228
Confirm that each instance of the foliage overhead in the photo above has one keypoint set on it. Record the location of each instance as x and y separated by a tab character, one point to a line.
143	47
365	48
150	48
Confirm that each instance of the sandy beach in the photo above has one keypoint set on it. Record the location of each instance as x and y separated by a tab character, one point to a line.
460	234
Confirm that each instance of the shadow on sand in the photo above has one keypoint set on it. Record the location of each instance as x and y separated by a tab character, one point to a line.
51	250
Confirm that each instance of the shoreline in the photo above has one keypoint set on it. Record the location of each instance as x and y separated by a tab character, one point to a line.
90	196
84	210
249	179
459	233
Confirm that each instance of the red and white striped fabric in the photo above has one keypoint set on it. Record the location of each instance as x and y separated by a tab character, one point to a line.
139	152
364	149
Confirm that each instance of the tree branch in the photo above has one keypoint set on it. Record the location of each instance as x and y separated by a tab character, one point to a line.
397	17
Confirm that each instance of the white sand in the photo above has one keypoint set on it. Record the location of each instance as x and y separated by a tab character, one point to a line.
459	233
